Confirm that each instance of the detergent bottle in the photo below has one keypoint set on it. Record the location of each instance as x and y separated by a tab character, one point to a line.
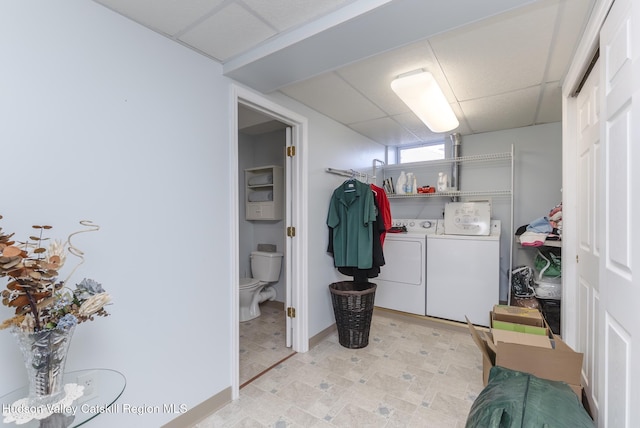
401	184
409	187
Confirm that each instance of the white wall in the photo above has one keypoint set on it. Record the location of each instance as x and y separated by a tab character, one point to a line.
537	183
538	165
102	119
331	145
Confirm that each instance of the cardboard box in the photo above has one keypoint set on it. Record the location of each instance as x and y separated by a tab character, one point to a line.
519	328
518	315
558	363
517	311
507	336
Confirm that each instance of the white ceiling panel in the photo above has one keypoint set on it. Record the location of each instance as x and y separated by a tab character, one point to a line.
513	110
499	62
500	55
284	14
572	20
385	129
230	30
332	96
377	85
166	16
380	26
416	127
464	127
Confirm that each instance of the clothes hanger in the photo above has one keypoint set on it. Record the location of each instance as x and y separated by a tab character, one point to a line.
350	183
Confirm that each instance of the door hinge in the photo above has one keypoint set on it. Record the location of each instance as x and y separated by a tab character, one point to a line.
291	231
291	312
577	259
291	151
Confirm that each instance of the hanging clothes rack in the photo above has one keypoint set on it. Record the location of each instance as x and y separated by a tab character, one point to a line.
351	174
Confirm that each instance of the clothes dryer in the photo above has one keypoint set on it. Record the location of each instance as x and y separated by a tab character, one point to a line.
402	282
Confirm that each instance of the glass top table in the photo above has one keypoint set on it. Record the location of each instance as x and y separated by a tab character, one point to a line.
108	386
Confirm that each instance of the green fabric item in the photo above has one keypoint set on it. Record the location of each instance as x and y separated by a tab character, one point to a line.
514	399
549	264
352	212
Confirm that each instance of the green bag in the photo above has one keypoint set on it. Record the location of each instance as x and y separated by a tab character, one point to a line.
548	263
514	399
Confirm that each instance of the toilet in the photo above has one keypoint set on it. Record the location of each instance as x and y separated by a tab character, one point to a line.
265	268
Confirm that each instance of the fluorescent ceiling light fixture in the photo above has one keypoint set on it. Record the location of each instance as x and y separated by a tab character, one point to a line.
420	91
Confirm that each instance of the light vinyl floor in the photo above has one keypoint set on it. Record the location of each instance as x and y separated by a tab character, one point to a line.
414	373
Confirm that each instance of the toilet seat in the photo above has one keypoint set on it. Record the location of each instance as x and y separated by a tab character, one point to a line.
248	282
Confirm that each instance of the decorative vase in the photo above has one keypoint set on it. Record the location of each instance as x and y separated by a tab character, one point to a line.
45	355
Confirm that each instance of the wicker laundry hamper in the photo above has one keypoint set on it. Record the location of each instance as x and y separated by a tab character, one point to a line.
353	308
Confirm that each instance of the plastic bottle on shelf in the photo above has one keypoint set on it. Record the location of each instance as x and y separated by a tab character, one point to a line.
414	185
443	182
401	184
409	187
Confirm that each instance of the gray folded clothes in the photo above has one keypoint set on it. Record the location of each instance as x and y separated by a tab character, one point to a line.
261	196
260	179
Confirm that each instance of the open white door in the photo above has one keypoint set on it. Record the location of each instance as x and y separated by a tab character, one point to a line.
588	199
290	151
620	256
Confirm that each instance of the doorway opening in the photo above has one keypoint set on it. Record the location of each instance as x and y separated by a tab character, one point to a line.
267	136
262	142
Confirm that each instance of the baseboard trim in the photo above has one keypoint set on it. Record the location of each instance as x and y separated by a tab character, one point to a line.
201	411
313	341
423	320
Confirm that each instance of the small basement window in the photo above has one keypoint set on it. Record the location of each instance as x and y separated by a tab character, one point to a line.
421	153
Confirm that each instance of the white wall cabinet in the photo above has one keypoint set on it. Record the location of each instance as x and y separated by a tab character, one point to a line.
264	193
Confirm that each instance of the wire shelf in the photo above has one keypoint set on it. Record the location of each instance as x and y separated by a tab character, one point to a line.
473	158
452	194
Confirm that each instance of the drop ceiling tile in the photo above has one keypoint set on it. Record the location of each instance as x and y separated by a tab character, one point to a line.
229	32
166	16
415	126
373	76
285	14
385	131
333	97
551	104
493	58
498	55
513	110
573	15
464	127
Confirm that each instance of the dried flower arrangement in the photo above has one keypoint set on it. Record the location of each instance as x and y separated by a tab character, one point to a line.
41	301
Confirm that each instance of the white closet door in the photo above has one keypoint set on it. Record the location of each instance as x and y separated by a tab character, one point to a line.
588	199
620	256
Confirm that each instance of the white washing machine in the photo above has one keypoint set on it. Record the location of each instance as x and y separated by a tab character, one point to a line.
402	282
463	275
